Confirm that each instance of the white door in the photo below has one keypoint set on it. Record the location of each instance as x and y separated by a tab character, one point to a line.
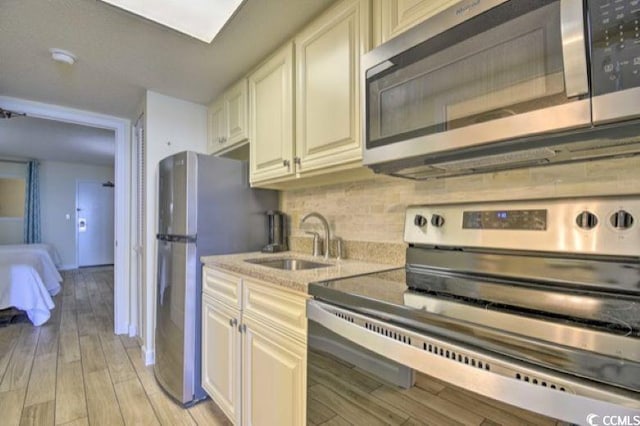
94	223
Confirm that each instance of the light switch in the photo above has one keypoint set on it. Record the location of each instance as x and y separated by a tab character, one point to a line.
67	216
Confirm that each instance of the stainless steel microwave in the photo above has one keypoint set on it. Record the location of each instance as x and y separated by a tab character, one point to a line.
496	84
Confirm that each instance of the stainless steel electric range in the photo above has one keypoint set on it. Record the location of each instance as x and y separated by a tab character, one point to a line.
532	303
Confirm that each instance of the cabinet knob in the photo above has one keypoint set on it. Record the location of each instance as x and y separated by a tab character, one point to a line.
296	160
233	322
287	164
242	328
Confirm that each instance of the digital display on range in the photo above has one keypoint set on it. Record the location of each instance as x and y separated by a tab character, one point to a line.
533	220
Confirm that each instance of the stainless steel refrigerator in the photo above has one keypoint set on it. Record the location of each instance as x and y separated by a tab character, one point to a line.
205	207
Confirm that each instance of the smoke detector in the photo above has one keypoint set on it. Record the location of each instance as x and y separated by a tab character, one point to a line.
62	56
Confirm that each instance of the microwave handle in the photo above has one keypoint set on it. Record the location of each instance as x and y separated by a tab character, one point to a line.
574	53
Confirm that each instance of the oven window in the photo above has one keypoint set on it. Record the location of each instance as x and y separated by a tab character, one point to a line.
504	70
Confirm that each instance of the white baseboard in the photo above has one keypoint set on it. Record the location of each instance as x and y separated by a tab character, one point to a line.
148	356
133	330
67	267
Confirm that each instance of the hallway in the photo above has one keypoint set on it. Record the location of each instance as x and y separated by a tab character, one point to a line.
73	370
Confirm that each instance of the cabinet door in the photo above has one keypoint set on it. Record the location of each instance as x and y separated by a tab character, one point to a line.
274	377
221	356
236	106
217	126
271	116
327	90
400	15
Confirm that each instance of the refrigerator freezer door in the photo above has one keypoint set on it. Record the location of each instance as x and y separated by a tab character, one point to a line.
176	327
177	204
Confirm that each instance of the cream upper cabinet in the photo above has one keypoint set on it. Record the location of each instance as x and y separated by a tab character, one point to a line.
221	345
271	112
228	119
327	57
237	108
274	379
217	126
397	16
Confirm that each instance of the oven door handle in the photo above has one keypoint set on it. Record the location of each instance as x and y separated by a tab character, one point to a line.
542	400
574	54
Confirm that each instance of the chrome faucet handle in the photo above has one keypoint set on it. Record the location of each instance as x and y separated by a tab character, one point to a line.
317	244
339	242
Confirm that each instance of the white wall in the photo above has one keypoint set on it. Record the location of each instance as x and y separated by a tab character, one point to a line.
11	228
58	198
172	125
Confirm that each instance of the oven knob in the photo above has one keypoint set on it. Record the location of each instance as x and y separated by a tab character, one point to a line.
419	220
586	220
621	219
437	220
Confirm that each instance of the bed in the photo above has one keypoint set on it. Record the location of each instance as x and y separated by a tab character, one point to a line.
28	279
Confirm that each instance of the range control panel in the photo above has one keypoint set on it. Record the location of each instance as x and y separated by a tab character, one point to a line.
615	45
505	219
601	226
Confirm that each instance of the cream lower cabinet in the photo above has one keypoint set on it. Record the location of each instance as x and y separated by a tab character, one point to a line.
222	342
254	350
273	384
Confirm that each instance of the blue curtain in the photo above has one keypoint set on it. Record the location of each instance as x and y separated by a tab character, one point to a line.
32	205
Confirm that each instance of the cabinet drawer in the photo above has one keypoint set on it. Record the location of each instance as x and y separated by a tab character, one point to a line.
222	286
282	309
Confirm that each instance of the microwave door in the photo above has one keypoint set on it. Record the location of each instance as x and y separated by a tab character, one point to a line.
615	61
473	85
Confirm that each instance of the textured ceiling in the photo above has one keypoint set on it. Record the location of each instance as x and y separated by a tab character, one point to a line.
121	55
28	137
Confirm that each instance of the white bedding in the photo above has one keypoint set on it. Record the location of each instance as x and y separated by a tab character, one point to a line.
53	253
37	258
21	287
28	279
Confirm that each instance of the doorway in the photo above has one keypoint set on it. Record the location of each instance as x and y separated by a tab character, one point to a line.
124	313
94	225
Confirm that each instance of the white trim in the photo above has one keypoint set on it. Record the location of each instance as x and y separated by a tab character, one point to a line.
148	356
121	127
133	330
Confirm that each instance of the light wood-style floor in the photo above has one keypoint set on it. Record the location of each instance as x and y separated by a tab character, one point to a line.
74	371
343	395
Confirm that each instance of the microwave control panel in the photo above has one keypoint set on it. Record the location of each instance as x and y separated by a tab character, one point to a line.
615	45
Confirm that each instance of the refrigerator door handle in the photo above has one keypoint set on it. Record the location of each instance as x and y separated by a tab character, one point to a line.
176	238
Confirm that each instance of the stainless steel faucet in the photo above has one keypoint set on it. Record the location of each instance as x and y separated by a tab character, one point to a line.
325	225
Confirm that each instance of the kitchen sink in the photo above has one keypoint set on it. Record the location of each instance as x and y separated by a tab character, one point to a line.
288	264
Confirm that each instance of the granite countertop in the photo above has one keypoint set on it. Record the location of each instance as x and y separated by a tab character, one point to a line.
294	280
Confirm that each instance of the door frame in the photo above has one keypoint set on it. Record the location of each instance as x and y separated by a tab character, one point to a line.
78	182
124	313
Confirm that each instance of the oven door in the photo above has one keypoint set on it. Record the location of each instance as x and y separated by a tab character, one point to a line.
343	345
515	69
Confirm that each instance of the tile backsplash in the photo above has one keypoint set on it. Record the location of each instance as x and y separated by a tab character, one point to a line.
373	210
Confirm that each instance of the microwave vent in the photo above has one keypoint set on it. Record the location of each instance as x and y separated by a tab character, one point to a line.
498	159
601	148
